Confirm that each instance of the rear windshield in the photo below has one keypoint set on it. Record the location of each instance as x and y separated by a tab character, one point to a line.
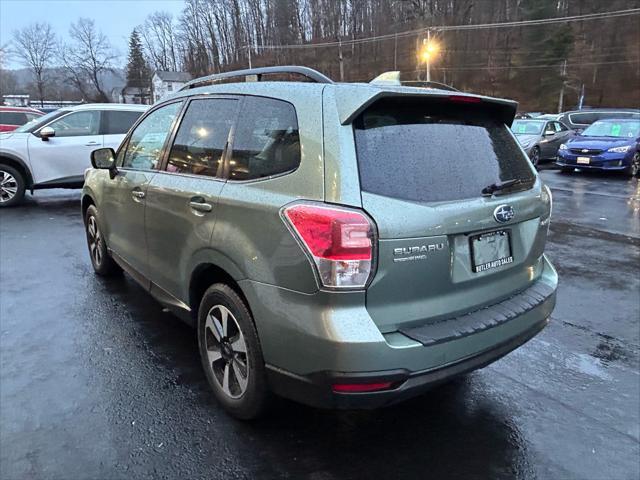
435	152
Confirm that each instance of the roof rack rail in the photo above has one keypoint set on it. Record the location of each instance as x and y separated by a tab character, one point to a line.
258	72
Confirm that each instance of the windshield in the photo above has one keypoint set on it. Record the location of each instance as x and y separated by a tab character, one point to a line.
35	124
527	127
613	128
433	153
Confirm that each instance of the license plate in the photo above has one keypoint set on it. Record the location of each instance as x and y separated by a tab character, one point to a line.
584	160
491	250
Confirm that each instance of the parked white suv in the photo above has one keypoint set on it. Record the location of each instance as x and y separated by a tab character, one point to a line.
54	150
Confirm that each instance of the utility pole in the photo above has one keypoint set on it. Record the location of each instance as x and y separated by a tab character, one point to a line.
428	56
395	50
340	60
563	75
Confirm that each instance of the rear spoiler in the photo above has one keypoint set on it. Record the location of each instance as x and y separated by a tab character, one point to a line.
351	101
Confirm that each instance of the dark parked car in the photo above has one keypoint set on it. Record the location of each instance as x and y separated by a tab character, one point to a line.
540	139
580	119
605	145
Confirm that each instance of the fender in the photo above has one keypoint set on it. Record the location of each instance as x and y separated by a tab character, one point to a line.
23	165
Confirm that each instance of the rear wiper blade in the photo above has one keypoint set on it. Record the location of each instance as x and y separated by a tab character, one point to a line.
496	187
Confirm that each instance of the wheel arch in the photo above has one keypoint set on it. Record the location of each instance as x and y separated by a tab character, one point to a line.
18	164
205	274
86	202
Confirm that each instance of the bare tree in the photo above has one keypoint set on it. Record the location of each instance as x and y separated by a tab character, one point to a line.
159	41
35	46
87	57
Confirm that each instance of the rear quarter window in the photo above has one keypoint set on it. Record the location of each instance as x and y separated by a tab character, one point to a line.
266	141
432	153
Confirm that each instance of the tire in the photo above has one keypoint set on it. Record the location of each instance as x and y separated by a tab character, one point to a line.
101	261
633	170
221	343
12	186
534	156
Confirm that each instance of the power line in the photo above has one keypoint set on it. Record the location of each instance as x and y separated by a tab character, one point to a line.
443	28
555	65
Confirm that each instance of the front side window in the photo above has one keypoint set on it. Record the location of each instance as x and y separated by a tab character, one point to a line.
41	121
118	122
144	149
77	124
266	141
202	137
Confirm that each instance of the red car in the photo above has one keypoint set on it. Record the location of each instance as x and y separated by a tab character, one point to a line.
13	117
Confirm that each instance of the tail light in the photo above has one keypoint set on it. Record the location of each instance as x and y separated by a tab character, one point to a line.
340	242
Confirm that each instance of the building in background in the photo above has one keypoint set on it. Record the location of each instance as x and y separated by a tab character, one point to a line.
166	83
134	95
15	100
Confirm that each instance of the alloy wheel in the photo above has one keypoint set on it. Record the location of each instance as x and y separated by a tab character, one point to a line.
8	186
226	351
535	156
635	165
95	240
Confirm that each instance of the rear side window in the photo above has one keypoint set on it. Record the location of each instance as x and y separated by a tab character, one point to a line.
13	118
202	137
115	122
583	118
266	141
435	152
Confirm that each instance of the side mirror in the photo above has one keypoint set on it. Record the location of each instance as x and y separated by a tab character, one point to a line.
46	133
105	159
548	133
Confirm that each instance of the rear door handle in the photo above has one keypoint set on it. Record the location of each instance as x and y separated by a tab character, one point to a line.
91	144
200	206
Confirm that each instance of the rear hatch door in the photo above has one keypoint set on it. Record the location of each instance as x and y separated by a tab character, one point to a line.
445	248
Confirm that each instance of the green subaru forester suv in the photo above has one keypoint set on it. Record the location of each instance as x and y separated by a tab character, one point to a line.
342	245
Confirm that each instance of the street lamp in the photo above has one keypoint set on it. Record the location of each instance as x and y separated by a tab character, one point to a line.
430	48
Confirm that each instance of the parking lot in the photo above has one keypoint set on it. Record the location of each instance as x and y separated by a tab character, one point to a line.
96	381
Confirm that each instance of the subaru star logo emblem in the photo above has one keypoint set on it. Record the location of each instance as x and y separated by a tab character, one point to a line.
503	213
585	150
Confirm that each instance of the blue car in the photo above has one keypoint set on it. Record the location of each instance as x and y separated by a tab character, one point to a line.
611	144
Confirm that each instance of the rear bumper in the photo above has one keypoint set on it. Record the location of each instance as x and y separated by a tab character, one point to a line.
312	342
316	389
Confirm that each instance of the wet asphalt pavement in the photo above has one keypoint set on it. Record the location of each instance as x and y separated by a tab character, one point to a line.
97	382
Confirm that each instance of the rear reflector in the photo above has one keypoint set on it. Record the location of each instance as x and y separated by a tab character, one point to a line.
361	387
464	99
340	241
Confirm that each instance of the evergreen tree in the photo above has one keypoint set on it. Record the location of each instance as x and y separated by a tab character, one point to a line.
138	73
544	45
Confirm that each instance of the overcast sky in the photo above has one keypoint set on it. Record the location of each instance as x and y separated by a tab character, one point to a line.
115	18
